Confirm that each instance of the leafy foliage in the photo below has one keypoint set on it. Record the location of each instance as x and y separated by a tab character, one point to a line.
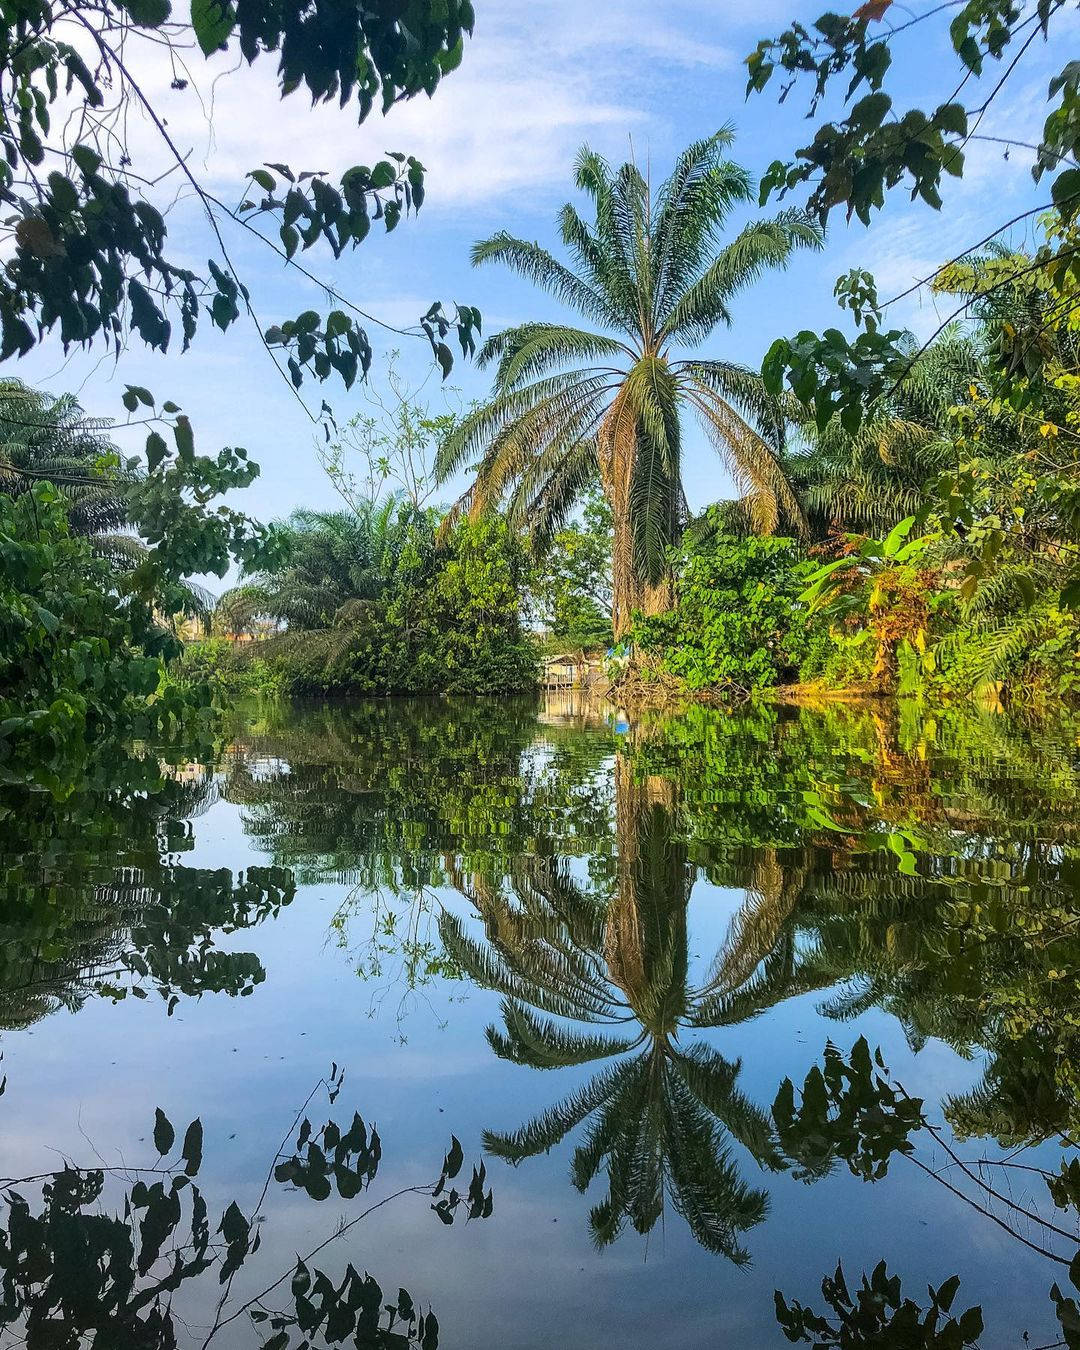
48	438
847	1110
83	647
99	902
90	251
735	626
856	162
375	604
944	543
570	585
108	1277
79	662
878	1315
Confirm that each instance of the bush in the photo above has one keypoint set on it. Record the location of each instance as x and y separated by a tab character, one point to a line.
81	668
737	622
450	627
229	668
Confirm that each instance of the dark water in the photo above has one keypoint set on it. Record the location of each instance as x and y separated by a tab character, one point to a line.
594	948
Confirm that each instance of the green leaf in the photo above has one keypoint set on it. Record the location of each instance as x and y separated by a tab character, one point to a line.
947	1292
1065	190
89	161
134	394
952	118
156	449
184	437
234	1227
897	535
213	21
453	1160
148	13
1070	595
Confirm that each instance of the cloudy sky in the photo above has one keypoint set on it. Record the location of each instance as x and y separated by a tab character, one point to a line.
498	140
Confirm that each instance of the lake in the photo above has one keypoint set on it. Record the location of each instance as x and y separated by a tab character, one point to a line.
717	1000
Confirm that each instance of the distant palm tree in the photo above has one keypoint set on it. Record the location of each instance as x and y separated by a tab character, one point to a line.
571	407
865	483
51	439
47	438
333	559
659	1116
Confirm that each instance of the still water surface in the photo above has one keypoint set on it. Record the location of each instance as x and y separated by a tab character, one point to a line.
591	948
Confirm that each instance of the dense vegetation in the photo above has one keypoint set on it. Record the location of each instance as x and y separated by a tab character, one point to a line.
908	526
893	587
924	542
372	602
97	555
943	531
90	263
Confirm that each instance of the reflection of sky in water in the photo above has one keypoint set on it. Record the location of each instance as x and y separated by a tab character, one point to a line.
529	1277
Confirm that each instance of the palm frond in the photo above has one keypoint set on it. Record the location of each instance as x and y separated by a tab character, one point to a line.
544	1044
531	349
761	245
552	1126
537	265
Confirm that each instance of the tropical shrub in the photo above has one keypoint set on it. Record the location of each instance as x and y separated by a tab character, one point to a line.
42	437
227	669
737	623
425	620
81	663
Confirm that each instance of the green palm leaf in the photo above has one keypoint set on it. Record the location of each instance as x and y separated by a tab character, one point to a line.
544	1044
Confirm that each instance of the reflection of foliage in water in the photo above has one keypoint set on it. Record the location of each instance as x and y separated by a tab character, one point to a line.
926	865
393	800
82	1268
974	939
391	793
878	1314
851	1111
95	900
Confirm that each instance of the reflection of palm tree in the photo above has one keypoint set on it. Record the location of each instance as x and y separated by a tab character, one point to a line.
660	1113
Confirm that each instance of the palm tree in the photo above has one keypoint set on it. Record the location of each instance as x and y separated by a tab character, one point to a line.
660	1115
334	559
49	439
571	406
868	481
42	437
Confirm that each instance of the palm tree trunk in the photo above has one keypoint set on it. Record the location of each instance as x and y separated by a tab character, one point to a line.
629	594
653	877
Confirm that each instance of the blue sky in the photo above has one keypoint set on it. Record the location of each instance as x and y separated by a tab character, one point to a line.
498	140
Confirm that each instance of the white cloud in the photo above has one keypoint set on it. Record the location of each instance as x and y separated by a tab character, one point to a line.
533	85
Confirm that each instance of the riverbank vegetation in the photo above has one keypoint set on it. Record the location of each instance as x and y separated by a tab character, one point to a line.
374	603
928	550
934	553
924	543
942	532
